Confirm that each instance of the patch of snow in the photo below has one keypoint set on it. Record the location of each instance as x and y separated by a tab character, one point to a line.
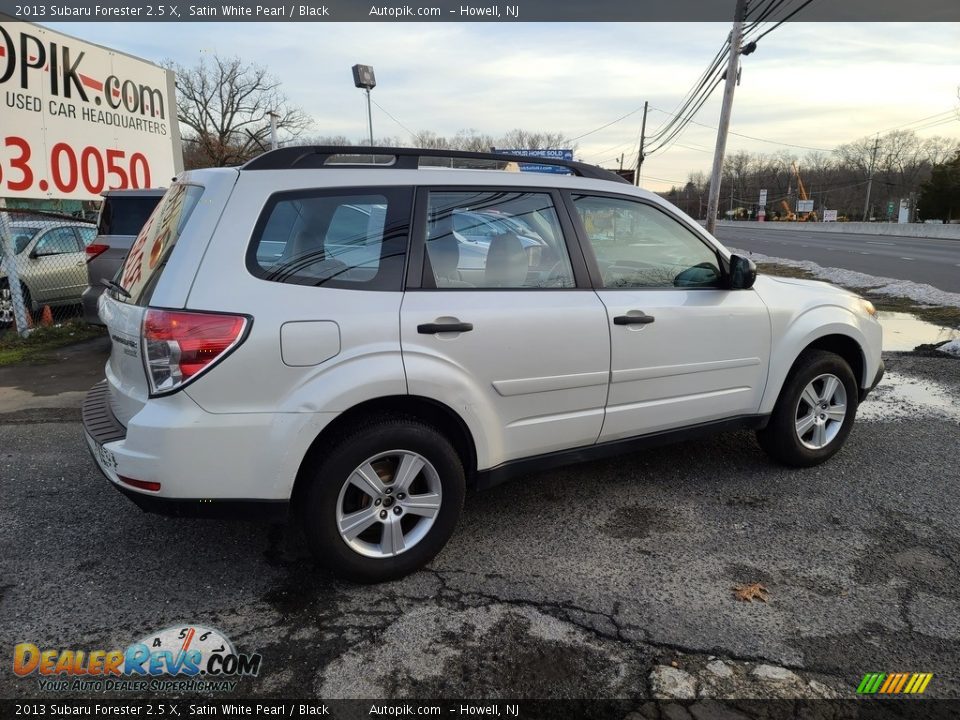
917	292
951	348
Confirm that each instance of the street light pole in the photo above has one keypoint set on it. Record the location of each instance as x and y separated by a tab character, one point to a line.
364	78
733	63
369	117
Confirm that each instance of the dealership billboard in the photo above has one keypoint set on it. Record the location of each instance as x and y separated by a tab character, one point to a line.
78	118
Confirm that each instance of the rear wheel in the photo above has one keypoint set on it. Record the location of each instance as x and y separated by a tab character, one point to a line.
383	500
814	413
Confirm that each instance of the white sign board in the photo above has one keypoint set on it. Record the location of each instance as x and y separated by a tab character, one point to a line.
79	119
829	215
763	197
804	206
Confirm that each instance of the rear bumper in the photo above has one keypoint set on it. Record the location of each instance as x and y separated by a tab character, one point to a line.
114	452
89	301
876	381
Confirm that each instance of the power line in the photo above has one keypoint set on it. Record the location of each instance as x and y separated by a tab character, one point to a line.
752	137
781	22
606	125
951	111
387	113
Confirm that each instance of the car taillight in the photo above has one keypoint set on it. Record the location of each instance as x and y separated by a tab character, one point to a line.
96	249
180	345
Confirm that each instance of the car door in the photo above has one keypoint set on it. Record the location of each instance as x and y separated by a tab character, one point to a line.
684	349
57	266
519	346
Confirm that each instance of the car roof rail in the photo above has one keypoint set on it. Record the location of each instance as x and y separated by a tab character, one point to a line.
316	156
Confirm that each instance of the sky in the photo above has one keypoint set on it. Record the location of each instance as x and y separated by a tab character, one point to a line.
815	85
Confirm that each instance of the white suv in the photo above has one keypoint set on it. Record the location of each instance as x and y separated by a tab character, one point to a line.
310	331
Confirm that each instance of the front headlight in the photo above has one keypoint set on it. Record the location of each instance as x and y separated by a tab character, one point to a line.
868	307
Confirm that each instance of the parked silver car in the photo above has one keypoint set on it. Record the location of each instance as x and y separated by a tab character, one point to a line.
51	263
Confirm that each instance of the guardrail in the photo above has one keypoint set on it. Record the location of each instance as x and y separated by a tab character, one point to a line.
919	230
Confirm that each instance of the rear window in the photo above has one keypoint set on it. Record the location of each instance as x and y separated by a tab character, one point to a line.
149	252
125	214
333	238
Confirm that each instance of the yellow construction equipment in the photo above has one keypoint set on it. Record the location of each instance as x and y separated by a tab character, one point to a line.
788	214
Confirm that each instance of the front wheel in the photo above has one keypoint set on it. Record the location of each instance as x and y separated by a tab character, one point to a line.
383	500
814	413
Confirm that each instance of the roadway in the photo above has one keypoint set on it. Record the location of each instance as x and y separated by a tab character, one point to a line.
934	261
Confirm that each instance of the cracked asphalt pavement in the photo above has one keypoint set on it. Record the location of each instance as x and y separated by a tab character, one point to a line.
576	583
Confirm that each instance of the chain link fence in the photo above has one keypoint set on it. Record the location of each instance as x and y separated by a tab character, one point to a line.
43	268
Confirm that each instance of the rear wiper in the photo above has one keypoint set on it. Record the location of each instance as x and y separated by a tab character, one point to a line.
115	286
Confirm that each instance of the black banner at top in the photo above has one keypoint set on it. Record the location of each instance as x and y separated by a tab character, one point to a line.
480	11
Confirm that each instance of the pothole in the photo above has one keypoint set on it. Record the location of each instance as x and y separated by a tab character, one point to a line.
901	397
902	332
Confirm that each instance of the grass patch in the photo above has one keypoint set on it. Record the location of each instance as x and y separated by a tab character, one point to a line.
35	347
785	271
938	315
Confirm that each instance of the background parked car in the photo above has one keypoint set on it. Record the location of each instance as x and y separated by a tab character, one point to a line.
51	263
122	215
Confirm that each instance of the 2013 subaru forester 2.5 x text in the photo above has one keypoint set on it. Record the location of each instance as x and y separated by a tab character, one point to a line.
322	330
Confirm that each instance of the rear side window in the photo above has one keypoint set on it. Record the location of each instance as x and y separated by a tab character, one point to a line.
149	252
125	215
333	238
59	241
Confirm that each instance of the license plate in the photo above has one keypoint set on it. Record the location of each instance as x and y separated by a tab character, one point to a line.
105	457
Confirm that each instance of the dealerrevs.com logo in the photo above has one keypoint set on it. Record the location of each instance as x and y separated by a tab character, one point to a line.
187	658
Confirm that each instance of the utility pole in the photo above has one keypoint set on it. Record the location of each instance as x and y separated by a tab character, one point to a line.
274	144
873	161
643	132
733	63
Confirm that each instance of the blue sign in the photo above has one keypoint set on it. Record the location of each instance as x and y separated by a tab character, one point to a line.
533	167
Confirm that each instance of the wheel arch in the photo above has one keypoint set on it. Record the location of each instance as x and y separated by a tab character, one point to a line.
432	412
846	347
839	338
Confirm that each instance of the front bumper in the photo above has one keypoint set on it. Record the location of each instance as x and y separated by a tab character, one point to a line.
107	441
876	381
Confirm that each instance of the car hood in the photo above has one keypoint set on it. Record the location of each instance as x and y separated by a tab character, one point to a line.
813	286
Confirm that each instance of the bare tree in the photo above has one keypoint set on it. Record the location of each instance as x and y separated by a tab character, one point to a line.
224	106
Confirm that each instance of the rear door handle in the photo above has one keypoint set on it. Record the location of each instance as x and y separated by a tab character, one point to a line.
633	319
434	328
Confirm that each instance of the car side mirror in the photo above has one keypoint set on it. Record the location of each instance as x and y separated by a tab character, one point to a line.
743	273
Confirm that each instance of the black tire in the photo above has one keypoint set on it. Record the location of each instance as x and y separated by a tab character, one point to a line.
780	439
334	464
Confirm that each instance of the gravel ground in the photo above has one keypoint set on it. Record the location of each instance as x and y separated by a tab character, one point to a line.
608	579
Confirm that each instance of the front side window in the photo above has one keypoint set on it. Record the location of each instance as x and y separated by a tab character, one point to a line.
639	246
495	239
347	239
58	241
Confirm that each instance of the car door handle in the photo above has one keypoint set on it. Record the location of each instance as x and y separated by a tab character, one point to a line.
434	328
633	319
